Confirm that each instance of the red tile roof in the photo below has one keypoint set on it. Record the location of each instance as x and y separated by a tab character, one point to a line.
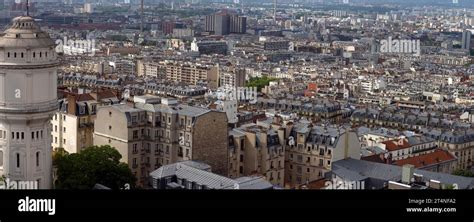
397	144
438	156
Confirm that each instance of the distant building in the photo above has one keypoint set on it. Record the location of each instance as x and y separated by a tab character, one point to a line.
225	23
466	40
210	47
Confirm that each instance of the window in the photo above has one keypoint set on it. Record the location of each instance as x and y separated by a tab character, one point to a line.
64	129
22	135
17	160
33	135
55	128
8	55
34	54
17	135
241	158
37	159
110	127
135	148
13	135
14	55
64	141
1	158
22	55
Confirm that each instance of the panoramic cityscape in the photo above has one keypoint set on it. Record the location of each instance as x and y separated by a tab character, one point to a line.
241	94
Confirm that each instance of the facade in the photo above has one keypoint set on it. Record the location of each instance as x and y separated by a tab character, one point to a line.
225	23
28	100
403	148
311	150
257	150
234	78
73	123
191	73
156	132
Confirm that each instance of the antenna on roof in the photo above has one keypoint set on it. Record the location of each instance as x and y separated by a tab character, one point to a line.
27	8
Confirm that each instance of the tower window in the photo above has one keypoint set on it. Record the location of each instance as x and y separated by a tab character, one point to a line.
22	135
46	54
14	55
8	54
40	54
18	160
1	158
22	55
37	159
34	54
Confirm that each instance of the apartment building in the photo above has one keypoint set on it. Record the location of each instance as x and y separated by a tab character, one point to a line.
73	124
158	131
459	143
311	150
257	150
402	148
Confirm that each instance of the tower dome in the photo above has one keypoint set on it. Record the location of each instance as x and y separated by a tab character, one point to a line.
28	100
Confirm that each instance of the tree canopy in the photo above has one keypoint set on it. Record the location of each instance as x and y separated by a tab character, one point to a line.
96	164
260	82
464	173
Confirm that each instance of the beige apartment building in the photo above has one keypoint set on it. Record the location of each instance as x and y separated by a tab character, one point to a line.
185	72
311	150
257	150
73	124
155	132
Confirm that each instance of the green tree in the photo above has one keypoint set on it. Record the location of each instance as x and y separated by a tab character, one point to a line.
96	164
464	173
259	82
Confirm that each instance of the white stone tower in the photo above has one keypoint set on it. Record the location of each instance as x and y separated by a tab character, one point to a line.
28	99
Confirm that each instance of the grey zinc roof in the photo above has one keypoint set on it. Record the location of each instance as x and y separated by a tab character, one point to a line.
200	173
389	172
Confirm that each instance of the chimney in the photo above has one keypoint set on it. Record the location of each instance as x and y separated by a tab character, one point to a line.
434	184
407	173
71	104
